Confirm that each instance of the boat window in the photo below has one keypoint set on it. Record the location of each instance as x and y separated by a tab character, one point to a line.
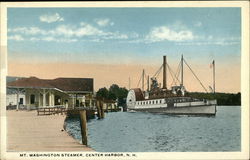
156	102
160	101
153	102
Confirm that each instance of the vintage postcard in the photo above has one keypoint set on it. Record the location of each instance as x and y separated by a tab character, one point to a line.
125	80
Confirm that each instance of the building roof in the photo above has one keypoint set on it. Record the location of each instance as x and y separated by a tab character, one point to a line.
31	82
64	84
73	84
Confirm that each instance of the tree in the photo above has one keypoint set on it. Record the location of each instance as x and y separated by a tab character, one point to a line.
102	93
111	96
115	89
114	92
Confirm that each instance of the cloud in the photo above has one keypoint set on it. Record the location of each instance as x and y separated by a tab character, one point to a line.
208	43
114	35
76	31
34	39
104	22
211	40
164	33
53	39
28	30
88	30
16	37
51	18
197	24
68	33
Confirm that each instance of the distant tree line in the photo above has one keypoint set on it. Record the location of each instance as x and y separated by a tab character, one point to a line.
222	98
113	93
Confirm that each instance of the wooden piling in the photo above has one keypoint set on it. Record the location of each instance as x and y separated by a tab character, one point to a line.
98	109
83	123
102	109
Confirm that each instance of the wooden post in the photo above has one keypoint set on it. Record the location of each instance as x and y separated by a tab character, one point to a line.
83	123
17	99
98	109
44	98
102	110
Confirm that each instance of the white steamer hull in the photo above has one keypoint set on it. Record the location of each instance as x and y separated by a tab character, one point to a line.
172	105
188	110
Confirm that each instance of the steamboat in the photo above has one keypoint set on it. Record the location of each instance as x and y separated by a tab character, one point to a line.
176	100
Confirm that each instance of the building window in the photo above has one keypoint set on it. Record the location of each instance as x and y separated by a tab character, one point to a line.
58	100
77	103
32	99
21	101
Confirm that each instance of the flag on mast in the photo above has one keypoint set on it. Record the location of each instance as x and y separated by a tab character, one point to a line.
212	64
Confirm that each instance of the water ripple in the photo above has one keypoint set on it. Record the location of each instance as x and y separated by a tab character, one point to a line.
146	132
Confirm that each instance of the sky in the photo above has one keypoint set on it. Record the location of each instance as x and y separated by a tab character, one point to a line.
113	44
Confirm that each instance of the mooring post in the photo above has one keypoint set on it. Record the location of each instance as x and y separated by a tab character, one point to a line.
98	109
83	123
102	110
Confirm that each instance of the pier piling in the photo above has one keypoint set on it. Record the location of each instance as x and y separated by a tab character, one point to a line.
98	109
102	109
83	123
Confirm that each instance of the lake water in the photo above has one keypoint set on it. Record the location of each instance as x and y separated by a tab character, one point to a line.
146	132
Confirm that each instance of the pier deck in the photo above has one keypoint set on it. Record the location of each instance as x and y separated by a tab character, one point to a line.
28	132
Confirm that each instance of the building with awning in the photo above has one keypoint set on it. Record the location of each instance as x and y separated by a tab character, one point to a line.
69	92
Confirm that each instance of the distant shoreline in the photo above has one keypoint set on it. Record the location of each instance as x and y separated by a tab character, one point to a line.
228	105
226	99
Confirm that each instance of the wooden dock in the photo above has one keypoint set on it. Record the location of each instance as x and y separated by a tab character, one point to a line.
51	110
28	132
